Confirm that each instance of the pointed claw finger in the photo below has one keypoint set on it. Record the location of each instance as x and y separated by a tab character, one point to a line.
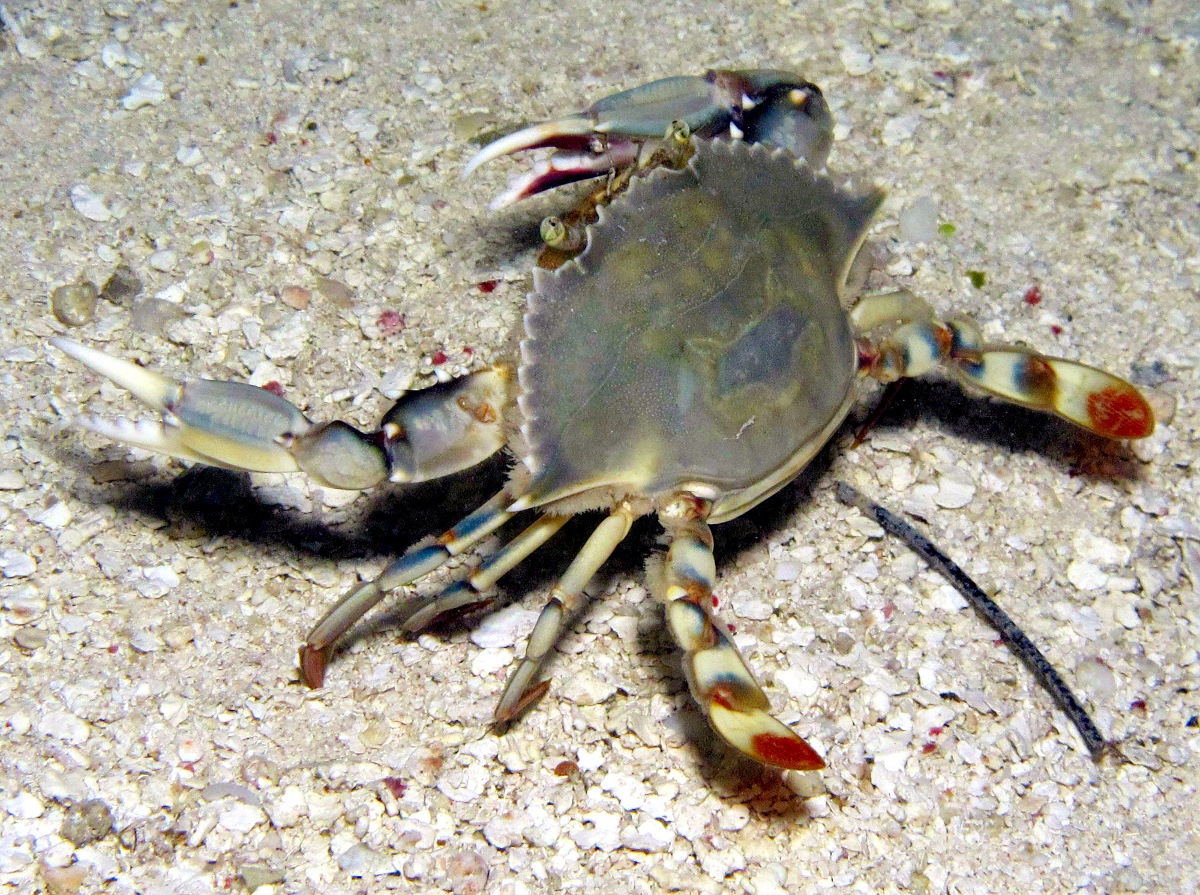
153	389
565	133
566	167
150	435
228	424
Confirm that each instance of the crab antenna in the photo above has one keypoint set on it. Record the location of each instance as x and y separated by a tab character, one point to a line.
1024	648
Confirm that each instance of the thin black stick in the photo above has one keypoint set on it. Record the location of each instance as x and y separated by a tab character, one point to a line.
1008	630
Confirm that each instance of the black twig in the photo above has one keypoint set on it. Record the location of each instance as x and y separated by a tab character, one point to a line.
1009	632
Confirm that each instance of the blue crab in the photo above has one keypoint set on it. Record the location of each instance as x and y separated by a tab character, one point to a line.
685	353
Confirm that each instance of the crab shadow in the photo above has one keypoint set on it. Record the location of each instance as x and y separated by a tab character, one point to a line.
210	502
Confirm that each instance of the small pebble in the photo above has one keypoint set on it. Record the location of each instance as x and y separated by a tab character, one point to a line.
918	222
64	726
189	156
152	316
601	831
375	734
1084	575
190	749
122	287
467	873
64	880
179	636
164	260
11	480
504	628
146	91
787	570
90	204
1096	679
506	829
23	605
336	292
86	822
24	806
255	876
489	661
584	688
241	818
21	355
30	639
650	836
15	564
954	492
55	516
900	130
295	297
74	305
752	607
856	61
360	861
145	642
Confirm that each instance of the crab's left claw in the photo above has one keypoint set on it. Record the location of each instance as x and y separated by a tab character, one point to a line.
428	433
226	424
760	105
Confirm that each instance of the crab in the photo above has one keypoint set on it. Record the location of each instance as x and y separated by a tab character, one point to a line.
685	353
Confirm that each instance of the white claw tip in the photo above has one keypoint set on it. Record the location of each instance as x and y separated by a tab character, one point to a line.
529	138
157	391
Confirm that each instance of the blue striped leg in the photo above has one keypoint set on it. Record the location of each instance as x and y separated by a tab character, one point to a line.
521	691
416	562
472	589
717	674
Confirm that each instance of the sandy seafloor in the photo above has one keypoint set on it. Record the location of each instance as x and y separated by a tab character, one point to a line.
234	154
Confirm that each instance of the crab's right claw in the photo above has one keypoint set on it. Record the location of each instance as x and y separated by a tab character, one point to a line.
761	105
427	433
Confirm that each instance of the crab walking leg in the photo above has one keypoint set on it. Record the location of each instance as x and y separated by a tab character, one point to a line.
717	674
470	591
566	599
427	434
416	562
1093	399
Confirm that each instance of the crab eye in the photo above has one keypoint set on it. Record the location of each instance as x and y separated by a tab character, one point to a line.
554	232
678	132
796	120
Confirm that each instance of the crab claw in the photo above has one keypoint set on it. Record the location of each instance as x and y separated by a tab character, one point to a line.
228	424
428	433
759	105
